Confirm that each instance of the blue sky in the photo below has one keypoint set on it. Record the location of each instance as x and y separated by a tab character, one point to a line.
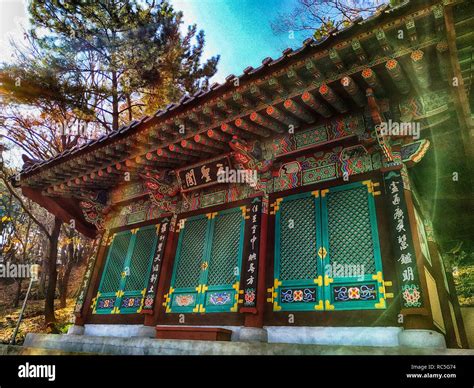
238	30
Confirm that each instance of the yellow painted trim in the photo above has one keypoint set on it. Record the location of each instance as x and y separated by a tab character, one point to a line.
328	305
276	307
315	193
378	277
210	216
202	310
276	206
276	284
319	281
134	231
381	304
319	306
324	192
198	289
244	212
389	295
327	280
196	309
387	283
119	294
322	253
157	226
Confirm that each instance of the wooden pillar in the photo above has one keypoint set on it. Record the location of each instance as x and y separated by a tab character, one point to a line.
164	280
95	278
256	320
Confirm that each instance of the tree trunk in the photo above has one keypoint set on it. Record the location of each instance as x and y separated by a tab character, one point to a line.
52	272
63	284
16	301
115	102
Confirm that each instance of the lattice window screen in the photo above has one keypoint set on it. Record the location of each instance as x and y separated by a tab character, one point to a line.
349	229
225	247
191	254
298	251
114	267
140	260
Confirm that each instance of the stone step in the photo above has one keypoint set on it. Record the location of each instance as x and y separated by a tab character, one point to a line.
149	346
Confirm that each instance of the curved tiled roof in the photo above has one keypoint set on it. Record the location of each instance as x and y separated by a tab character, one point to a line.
309	45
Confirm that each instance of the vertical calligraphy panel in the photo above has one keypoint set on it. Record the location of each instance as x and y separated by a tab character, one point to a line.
409	279
251	254
152	284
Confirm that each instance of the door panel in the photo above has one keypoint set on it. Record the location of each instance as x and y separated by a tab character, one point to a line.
350	238
206	273
126	271
327	253
225	260
188	268
112	276
138	268
297	266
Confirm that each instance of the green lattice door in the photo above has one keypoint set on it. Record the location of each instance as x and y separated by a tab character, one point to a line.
126	271
327	253
206	272
351	248
298	271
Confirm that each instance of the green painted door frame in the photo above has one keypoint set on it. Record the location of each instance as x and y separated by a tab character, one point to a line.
337	224
129	260
202	255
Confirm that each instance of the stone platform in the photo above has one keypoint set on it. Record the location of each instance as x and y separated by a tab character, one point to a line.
148	346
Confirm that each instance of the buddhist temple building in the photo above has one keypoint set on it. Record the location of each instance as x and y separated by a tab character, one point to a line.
289	203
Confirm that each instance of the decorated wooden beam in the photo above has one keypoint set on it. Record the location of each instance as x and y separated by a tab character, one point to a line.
232	130
443	60
266	122
372	80
421	68
180	150
203	119
353	90
208	142
396	73
315	104
213	113
336	59
297	110
152	156
313	70
358	50
241	99
438	13
164	153
191	145
218	136
411	29
251	127
383	41
295	79
260	93
276	86
282	117
225	106
332	98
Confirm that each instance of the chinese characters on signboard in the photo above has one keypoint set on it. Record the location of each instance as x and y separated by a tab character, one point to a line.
403	243
204	174
250	267
150	295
